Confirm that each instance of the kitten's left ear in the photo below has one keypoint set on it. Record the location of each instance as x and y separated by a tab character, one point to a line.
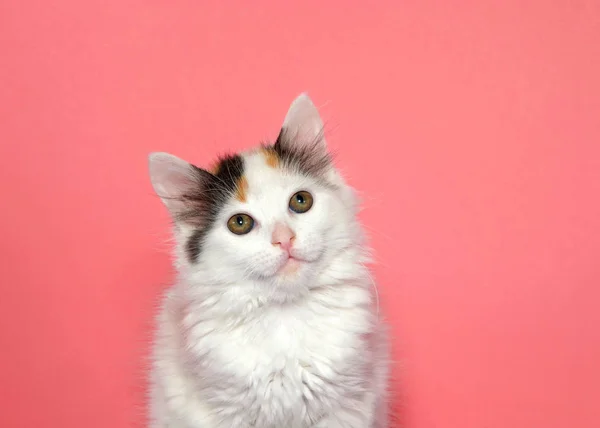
302	125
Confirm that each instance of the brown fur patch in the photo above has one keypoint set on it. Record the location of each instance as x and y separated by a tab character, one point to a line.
241	189
271	157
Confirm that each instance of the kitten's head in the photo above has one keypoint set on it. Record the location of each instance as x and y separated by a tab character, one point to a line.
277	218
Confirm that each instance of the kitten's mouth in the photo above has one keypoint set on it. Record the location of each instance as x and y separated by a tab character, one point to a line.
291	265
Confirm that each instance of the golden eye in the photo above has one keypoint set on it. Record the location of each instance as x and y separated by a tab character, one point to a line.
240	224
301	202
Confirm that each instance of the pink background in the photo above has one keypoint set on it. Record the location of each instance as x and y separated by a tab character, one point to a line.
472	127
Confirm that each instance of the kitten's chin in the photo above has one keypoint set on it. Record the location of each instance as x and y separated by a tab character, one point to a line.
289	282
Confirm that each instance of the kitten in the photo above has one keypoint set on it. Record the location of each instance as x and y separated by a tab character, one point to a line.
272	322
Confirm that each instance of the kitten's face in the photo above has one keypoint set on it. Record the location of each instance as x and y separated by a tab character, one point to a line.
288	223
273	216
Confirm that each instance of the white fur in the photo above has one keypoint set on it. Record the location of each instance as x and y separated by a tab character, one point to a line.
240	345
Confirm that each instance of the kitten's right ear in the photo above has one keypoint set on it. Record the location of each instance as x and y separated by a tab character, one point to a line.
304	125
175	181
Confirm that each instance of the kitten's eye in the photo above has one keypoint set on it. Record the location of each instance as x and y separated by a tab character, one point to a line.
240	224
301	202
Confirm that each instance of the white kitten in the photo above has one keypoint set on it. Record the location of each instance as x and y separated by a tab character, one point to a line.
272	322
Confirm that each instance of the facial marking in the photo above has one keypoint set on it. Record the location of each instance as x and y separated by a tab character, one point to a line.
241	192
211	195
271	158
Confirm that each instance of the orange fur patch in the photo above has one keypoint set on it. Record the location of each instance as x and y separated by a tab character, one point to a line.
214	168
241	189
271	157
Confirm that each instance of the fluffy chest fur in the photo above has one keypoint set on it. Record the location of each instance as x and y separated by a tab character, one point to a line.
290	366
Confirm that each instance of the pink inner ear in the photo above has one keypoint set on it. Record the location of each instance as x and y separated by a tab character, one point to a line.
171	178
303	120
176	182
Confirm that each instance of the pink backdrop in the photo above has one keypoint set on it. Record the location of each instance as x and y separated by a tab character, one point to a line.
472	127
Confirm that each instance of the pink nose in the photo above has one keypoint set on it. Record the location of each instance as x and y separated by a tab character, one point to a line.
283	236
